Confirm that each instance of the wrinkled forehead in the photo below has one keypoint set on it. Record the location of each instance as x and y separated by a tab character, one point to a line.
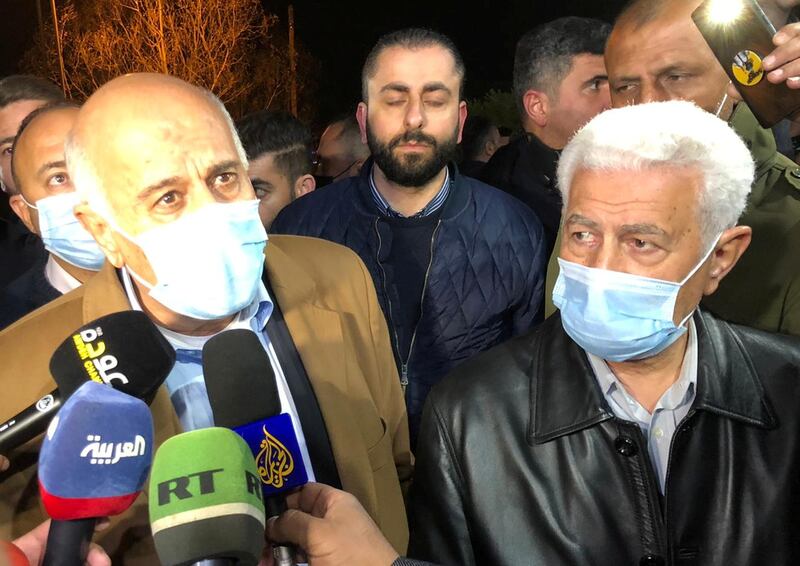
131	152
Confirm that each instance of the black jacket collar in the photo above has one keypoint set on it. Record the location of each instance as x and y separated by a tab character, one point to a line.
565	397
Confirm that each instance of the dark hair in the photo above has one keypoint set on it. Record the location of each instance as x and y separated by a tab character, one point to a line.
350	134
15	88
49	107
412	38
477	130
544	54
279	134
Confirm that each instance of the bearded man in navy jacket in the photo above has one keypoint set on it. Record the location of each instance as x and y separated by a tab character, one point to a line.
458	265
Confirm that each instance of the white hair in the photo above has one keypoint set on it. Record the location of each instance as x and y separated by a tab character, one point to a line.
668	134
87	182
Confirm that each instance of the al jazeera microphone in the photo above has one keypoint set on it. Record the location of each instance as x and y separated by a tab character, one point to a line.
205	500
93	463
244	397
124	350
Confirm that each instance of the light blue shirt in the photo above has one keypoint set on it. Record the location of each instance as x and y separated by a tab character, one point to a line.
659	427
186	385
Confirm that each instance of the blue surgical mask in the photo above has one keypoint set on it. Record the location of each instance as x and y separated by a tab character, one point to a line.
63	234
208	263
619	316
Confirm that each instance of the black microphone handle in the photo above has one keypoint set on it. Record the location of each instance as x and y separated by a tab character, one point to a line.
68	542
274	506
29	424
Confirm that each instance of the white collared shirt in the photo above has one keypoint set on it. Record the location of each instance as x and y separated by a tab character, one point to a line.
186	385
659	427
58	277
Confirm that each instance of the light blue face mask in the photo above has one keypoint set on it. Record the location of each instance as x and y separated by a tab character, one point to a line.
207	264
63	234
619	316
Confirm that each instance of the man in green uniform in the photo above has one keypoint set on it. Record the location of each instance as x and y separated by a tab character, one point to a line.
656	53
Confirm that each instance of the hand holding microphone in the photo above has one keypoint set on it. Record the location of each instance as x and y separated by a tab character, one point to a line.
32	545
332	528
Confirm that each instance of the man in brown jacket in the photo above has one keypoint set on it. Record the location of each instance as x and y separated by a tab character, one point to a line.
168	199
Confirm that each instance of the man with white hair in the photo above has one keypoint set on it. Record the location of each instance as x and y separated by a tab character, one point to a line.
165	193
632	428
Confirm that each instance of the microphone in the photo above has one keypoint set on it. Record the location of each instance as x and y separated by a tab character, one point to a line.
93	463
123	349
205	500
243	395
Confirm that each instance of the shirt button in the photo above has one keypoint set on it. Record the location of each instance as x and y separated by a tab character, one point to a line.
659	433
795	173
625	446
651	560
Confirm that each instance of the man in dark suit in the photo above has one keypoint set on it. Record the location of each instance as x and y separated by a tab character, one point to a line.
164	188
44	202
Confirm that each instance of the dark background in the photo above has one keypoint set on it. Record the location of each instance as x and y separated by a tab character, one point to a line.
339	33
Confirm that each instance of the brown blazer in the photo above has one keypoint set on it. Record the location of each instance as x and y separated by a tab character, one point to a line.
329	304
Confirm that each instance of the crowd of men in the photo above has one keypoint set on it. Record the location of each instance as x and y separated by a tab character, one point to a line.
576	346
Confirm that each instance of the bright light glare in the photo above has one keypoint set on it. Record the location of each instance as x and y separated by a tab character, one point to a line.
725	11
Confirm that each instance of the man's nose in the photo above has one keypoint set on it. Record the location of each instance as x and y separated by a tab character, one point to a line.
652	92
415	116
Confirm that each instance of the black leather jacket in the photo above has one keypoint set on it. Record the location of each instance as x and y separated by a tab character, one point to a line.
520	461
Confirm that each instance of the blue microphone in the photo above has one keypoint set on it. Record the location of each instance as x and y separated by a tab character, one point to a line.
94	462
244	397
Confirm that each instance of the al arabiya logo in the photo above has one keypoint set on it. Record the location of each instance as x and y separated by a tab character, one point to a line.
110	453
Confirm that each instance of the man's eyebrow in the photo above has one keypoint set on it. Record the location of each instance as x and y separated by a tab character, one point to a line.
9	139
52	165
596	78
650	229
582	220
396	87
222	167
157	186
436	86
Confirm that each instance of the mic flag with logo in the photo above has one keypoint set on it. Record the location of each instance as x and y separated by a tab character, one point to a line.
96	454
123	349
205	499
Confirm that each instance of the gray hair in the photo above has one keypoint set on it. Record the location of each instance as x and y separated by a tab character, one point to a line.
88	183
668	134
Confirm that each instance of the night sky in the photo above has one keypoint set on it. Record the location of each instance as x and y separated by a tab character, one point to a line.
339	33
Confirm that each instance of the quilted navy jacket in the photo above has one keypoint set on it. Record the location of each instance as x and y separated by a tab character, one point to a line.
484	285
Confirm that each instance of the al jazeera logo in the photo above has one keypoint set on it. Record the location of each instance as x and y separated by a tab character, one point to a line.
748	68
274	461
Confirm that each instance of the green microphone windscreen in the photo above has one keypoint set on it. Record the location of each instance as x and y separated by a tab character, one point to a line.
205	499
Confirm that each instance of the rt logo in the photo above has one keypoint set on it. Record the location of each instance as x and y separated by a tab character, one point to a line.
183	487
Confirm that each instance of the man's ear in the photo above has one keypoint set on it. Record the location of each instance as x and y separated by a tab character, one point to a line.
462	117
361	117
537	106
304	185
24	212
489	148
732	244
102	232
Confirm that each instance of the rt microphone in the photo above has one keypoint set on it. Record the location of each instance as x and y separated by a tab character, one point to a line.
93	463
243	395
205	500
123	349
